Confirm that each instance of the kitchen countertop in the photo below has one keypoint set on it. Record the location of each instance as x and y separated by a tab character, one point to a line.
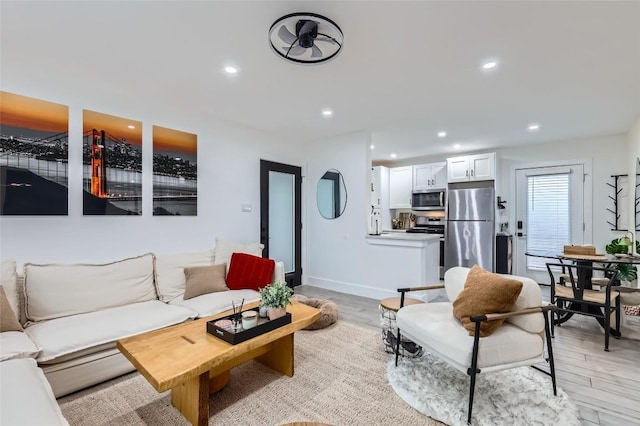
402	239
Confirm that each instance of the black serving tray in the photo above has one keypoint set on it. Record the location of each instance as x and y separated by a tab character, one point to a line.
234	337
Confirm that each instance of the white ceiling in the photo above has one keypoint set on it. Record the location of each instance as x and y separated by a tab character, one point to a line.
407	69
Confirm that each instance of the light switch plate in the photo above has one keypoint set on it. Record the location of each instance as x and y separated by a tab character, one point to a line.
245	208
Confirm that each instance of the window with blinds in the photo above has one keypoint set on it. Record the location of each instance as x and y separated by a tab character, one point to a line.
548	216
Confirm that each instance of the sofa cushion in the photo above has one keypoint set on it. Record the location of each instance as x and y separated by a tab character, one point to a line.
70	334
214	303
530	296
26	397
248	271
204	279
224	249
434	322
170	279
485	293
16	344
8	319
9	280
54	291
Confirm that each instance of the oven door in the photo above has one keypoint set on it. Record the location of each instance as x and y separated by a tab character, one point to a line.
430	200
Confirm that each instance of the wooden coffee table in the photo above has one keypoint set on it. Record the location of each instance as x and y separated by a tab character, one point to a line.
193	363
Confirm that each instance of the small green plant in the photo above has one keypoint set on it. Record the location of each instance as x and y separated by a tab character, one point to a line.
276	295
626	272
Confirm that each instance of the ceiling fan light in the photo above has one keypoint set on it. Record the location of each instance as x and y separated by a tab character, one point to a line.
306	38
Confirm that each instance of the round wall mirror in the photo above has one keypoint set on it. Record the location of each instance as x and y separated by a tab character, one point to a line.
331	194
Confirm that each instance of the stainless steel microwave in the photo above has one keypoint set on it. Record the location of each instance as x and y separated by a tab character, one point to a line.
428	200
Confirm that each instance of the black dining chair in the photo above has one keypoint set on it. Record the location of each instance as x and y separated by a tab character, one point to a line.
572	293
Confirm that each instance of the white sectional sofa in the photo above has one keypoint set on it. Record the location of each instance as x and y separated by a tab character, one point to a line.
73	316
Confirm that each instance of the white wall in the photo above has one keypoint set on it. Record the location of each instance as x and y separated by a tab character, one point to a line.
608	156
338	255
228	176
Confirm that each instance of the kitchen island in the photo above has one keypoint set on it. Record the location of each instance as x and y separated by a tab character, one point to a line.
415	259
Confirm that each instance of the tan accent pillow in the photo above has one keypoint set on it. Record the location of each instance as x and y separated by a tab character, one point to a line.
8	320
201	280
485	293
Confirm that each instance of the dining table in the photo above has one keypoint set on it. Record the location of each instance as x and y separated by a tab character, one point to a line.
584	278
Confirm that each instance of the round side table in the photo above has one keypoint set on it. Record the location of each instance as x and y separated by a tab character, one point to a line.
388	309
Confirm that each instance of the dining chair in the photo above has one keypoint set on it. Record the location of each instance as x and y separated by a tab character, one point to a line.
572	293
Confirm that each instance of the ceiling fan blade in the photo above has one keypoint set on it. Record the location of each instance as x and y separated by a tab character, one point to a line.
285	35
295	51
330	40
315	52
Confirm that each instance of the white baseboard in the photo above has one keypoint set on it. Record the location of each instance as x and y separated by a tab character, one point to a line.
367	291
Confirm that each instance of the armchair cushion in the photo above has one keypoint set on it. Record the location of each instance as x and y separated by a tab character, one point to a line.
433	326
485	293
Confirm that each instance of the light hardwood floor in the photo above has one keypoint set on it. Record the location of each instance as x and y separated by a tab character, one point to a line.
604	385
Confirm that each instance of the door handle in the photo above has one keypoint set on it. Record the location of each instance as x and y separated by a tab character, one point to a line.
466	173
520	234
472	172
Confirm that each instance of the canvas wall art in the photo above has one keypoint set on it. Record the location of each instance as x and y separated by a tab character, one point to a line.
34	156
175	172
112	165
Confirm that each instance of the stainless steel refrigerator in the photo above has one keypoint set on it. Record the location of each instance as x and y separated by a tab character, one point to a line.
470	228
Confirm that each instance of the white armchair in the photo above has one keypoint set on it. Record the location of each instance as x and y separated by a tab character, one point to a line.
518	342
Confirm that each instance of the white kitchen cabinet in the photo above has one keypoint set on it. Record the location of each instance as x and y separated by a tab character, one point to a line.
430	176
380	186
400	187
471	168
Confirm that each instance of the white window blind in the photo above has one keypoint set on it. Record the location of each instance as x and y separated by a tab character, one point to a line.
548	216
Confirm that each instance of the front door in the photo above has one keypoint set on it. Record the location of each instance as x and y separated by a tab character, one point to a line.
549	214
281	217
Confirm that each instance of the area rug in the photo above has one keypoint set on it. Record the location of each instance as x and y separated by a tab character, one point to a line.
519	396
339	379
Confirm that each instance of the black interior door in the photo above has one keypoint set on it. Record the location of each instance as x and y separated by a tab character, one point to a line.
281	216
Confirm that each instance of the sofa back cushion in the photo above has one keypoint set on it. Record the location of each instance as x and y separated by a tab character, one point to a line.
170	279
224	249
59	290
530	297
9	281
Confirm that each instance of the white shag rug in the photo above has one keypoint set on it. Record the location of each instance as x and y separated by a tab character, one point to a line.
519	396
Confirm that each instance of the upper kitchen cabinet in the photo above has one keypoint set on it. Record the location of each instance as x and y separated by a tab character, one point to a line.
400	187
380	186
471	168
430	176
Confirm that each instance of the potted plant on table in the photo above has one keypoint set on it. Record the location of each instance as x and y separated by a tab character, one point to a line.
626	272
275	297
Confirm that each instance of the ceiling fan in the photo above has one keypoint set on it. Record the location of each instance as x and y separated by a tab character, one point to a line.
306	38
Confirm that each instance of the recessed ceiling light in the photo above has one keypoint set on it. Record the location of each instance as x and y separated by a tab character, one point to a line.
533	127
372	147
490	65
327	112
131	126
393	155
442	134
230	70
457	146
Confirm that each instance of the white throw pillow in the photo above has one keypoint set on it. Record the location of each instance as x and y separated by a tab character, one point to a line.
9	281
169	269
224	249
54	291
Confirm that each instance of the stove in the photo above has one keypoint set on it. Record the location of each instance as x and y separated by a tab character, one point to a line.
428	225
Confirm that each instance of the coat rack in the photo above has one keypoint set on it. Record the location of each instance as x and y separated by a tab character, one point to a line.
616	191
